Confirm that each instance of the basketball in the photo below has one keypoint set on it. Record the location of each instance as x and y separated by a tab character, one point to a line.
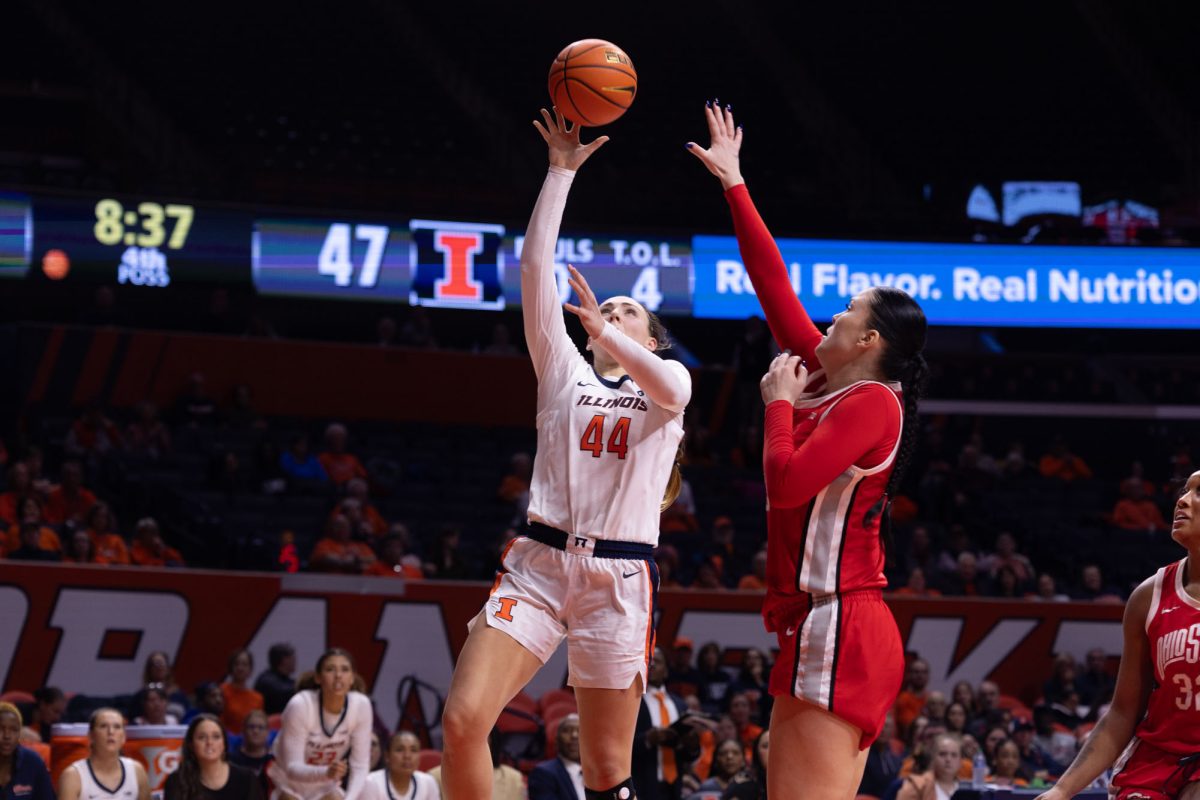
56	265
592	82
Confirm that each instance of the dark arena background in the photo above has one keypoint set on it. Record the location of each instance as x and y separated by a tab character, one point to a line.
259	284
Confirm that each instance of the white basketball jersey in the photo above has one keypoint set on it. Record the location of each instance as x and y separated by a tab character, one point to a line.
422	787
92	789
307	745
605	449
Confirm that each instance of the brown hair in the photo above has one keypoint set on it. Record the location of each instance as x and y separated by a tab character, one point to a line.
190	786
658	331
674	483
308	680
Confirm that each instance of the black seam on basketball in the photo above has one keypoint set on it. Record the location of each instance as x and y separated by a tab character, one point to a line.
624	71
599	94
575	108
581	52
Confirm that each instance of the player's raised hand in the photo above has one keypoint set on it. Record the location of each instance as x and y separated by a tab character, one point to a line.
785	379
588	309
562	138
725	143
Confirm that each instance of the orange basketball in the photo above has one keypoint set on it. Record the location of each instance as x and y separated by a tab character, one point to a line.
56	265
592	82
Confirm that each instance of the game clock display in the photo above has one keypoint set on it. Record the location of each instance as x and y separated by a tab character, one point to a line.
139	242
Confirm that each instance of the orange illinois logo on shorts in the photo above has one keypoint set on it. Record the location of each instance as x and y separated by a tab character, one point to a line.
506	606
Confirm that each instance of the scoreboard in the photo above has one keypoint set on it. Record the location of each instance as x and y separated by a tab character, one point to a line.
455	264
157	243
135	241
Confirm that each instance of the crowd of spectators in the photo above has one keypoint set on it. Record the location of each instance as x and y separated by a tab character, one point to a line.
702	731
958	531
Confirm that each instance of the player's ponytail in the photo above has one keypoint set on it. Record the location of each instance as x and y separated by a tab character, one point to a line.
674	483
901	323
658	331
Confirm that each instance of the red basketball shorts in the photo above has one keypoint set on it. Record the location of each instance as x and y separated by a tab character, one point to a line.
843	654
1143	772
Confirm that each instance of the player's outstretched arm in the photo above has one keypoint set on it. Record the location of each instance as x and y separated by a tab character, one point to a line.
1114	730
545	331
790	323
667	383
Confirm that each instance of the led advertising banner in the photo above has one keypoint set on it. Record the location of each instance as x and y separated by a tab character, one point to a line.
969	284
473	265
16	235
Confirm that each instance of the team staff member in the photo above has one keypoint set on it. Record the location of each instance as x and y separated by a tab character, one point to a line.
205	772
840	429
608	437
23	775
1152	728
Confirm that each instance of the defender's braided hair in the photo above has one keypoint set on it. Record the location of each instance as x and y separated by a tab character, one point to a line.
901	323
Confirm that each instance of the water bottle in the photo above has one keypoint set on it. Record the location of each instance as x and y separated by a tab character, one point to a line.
978	772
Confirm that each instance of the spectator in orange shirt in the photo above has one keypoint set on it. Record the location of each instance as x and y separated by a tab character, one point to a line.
1062	464
740	709
29	548
362	527
240	699
1135	511
756	581
373	523
29	512
394	562
337	553
69	501
917	586
913	695
339	465
149	549
18	485
107	544
80	549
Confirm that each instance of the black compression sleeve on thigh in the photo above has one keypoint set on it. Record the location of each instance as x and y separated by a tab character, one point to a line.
622	791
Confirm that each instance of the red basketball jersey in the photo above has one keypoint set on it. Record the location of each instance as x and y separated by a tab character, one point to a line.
825	546
1172	721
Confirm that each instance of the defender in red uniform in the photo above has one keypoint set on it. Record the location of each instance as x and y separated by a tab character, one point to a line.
840	429
1152	729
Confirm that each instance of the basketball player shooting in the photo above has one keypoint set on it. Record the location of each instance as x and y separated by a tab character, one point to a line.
608	437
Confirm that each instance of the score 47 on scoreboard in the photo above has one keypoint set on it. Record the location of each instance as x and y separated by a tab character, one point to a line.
456	264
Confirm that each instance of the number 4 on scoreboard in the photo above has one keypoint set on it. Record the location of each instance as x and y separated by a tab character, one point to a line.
335	257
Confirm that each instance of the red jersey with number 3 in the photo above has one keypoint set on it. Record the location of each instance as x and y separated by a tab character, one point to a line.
1172	721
